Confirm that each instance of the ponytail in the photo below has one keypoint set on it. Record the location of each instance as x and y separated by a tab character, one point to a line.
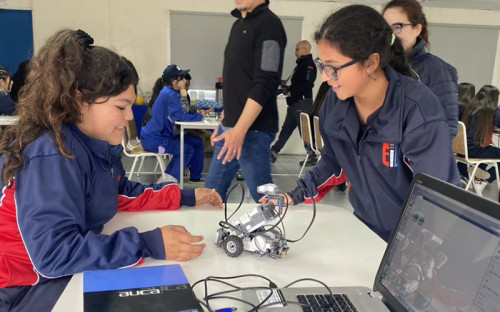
399	61
156	91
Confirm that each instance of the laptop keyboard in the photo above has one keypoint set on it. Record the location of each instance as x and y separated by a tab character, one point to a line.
326	303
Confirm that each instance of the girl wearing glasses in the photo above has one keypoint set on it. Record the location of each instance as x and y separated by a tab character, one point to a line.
380	126
408	23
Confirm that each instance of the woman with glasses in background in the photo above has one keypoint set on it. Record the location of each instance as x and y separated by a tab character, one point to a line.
7	105
380	126
409	24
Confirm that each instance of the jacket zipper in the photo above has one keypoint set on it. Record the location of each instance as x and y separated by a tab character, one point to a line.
362	167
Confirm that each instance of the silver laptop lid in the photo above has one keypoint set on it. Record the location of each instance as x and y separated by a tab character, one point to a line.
445	253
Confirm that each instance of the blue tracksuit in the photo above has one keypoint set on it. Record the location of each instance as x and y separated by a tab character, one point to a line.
441	78
407	135
159	135
52	216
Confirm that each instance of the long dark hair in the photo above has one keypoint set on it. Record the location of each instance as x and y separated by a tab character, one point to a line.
159	84
466	92
492	94
415	14
66	72
480	112
358	31
156	91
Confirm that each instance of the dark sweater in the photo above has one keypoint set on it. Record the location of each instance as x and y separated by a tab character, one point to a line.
303	79
253	63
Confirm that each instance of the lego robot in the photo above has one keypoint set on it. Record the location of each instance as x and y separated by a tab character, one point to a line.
253	232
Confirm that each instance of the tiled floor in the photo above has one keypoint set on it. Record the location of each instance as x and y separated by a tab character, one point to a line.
285	172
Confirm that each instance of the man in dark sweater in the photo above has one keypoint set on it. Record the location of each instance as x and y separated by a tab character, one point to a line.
253	63
298	98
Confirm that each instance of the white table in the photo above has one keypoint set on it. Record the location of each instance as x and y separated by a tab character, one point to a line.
8	120
338	250
204	124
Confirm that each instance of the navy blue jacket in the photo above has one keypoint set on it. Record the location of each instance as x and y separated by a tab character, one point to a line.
52	216
167	109
7	105
407	135
441	78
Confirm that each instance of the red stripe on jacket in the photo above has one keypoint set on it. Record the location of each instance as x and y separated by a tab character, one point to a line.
167	198
326	187
16	268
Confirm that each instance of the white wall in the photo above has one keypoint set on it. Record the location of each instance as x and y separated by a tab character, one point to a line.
140	30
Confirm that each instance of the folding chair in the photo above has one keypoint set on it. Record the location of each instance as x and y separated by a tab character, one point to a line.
317	135
461	152
305	129
133	148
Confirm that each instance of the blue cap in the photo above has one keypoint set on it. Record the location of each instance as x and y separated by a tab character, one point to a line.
173	71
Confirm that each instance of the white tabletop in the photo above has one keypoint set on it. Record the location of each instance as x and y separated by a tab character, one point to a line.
8	120
203	124
338	250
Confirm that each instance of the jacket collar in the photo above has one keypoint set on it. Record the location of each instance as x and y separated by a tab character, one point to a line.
384	125
259	9
304	58
99	148
417	51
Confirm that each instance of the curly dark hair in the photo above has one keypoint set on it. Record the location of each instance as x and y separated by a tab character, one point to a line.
65	73
358	31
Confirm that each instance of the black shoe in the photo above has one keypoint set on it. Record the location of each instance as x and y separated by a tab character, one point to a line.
200	181
311	161
342	187
239	176
274	156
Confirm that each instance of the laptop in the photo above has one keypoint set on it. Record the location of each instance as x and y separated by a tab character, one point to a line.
444	255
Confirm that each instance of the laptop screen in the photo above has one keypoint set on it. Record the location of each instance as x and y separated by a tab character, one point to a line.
445	253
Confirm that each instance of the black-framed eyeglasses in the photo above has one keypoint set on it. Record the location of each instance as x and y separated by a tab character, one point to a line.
331	71
397	27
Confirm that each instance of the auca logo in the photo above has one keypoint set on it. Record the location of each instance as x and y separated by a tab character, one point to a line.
140	292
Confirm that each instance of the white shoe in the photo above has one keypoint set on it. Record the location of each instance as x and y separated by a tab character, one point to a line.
167	178
479	186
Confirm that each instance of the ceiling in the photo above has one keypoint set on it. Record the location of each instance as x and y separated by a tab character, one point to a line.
492	5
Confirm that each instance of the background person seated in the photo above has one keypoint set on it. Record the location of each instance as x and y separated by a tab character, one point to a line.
480	119
160	134
7	105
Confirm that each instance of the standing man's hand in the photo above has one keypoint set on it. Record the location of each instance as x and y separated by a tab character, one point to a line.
235	137
233	142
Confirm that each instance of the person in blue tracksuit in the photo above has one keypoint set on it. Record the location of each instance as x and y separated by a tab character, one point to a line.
409	24
159	133
7	104
380	127
62	178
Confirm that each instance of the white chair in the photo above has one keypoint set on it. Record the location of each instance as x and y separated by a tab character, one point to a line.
317	135
305	129
462	155
134	149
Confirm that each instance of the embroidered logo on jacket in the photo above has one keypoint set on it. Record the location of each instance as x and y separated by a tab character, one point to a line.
390	155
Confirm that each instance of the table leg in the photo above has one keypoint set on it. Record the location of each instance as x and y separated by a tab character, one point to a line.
181	176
